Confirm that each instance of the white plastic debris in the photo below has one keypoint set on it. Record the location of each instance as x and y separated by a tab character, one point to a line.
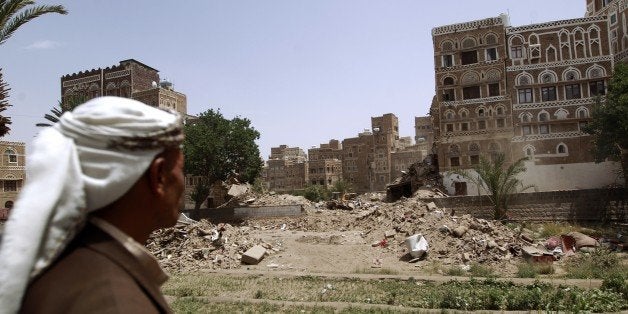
417	245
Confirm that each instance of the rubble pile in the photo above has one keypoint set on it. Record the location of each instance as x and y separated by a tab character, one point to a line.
278	200
202	245
452	239
385	228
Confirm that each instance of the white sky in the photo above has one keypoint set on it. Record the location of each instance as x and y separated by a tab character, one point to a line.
302	71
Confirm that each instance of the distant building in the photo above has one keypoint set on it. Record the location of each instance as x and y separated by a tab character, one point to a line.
325	164
12	174
286	169
130	79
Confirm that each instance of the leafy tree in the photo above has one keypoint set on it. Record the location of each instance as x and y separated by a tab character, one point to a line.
316	193
4	104
216	148
609	126
342	187
15	13
499	181
56	113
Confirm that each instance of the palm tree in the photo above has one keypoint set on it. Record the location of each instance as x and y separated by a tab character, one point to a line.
4	104
499	181
15	13
56	113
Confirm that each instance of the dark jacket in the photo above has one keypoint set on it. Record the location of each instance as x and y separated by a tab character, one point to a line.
95	274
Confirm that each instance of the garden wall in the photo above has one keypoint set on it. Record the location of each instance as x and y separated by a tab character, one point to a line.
600	205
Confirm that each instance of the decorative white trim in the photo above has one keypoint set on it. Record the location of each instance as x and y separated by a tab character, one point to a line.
550	136
473	101
116	74
467	26
82	80
553	24
474	66
558	64
19	168
555	104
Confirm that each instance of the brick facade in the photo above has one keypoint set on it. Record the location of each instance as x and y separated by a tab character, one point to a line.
524	91
12	171
130	79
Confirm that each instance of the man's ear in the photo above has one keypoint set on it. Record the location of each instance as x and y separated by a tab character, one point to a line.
156	176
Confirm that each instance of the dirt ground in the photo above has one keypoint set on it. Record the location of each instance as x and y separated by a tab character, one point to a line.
367	239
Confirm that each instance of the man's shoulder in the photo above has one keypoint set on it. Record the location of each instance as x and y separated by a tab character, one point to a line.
86	279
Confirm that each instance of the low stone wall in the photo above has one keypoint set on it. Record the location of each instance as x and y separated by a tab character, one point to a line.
242	213
602	205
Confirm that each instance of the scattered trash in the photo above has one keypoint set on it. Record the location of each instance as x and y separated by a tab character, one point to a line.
417	245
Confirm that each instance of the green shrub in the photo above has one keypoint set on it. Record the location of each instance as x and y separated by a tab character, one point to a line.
478	270
598	264
532	270
616	282
455	271
316	193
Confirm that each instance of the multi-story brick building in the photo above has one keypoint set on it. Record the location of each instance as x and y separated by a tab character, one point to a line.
286	169
355	161
12	172
325	164
403	158
130	79
522	91
615	12
474	112
556	71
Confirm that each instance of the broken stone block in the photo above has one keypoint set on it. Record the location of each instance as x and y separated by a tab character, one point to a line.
527	237
466	257
253	255
444	229
460	231
390	234
491	244
431	206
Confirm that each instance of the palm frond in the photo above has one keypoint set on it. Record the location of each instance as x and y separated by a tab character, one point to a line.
12	22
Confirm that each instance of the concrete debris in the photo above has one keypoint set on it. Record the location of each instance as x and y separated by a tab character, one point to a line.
385	227
420	174
390	234
431	206
253	255
193	247
537	254
460	231
237	190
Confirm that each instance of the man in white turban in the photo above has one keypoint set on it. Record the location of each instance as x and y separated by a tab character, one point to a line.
100	181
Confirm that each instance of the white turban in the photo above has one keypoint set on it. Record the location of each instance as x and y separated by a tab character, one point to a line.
86	161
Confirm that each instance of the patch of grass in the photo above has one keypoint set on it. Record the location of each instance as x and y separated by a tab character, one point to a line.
532	270
554	229
376	271
479	270
599	264
469	295
455	271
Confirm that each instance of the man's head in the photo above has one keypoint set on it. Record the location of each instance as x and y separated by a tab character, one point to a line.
167	181
92	160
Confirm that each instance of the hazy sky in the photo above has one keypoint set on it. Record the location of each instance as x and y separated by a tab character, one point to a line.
303	72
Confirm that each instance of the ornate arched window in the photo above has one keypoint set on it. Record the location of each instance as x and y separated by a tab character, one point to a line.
468	42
